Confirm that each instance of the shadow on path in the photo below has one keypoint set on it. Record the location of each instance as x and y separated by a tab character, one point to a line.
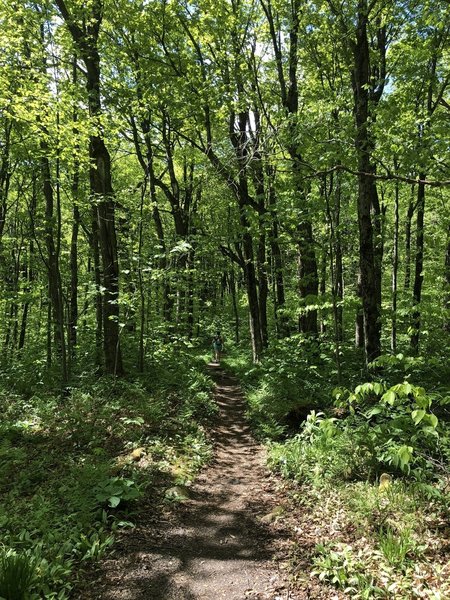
214	545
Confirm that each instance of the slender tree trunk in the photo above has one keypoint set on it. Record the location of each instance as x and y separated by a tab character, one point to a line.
13	285
395	270
29	274
167	301
73	303
252	295
408	225
338	269
5	176
261	259
49	330
98	294
263	288
322	288
54	274
232	282
308	285
73	294
418	270
308	280
447	284
277	265
190	294
331	222
30	271
23	325
141	287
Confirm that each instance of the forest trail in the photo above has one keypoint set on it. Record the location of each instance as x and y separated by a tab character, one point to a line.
213	545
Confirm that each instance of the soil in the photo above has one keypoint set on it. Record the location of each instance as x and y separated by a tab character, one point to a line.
221	542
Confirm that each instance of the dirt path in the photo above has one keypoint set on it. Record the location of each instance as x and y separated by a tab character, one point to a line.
214	545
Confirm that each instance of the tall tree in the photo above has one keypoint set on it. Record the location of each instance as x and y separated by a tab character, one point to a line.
84	22
286	60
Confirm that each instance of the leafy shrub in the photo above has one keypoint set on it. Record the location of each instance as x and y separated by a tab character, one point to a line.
394	425
385	429
116	490
322	451
287	383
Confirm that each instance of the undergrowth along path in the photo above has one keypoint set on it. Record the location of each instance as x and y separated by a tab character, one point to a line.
213	545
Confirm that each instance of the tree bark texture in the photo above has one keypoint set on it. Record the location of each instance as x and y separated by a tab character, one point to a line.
369	266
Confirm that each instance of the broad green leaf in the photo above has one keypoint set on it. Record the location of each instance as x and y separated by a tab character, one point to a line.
417	415
389	397
433	420
114	501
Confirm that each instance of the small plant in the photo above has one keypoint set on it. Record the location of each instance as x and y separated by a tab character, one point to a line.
395	546
94	546
17	574
116	490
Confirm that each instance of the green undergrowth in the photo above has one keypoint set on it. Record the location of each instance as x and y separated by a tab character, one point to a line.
73	469
294	376
371	461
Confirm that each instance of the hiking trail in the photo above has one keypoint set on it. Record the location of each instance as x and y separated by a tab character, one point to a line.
213	545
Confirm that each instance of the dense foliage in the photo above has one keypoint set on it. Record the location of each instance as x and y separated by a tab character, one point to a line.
276	170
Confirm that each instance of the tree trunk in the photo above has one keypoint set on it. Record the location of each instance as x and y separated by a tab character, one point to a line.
447	284
409	216
252	292
141	287
308	285
101	188
369	265
338	269
418	268
277	265
85	37
395	270
308	280
5	175
54	274
73	302
232	283
98	294
30	271
322	288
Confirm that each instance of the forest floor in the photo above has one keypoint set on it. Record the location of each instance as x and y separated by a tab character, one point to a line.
226	539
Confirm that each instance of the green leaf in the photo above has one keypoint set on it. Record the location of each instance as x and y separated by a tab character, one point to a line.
114	501
376	410
433	420
389	397
417	416
405	454
378	388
